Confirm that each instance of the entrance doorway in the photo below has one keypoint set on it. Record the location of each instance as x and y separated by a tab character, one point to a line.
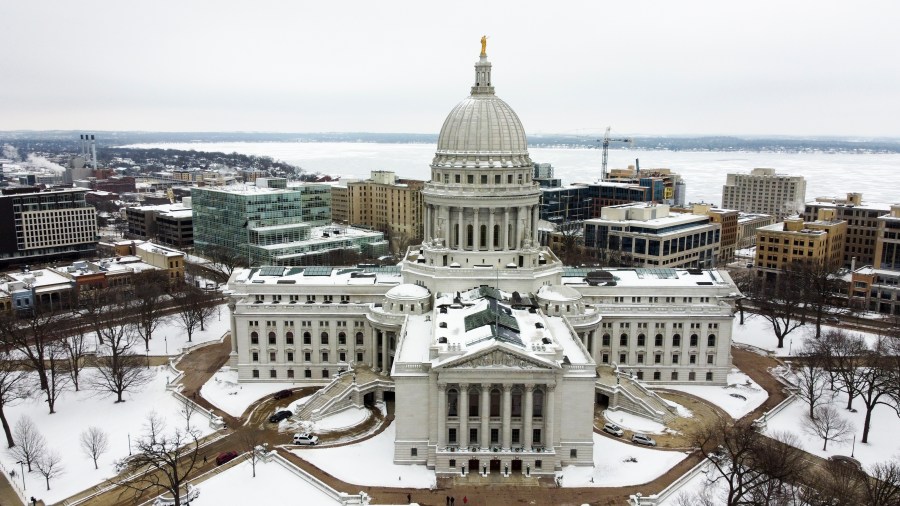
474	466
602	400
369	399
495	465
517	466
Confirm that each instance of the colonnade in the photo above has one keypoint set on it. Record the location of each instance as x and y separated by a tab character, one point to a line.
505	227
525	421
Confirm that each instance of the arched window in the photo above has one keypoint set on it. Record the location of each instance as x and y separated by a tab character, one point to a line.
694	339
452	402
642	340
606	339
623	340
495	402
482	235
359	339
676	340
271	338
307	338
254	338
474	403
537	406
469	235
324	338
658	340
517	402
342	338
289	338
496	237
711	340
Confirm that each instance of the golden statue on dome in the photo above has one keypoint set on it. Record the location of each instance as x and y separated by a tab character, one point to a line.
484	45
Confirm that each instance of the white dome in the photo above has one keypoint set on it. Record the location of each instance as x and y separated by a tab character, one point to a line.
482	124
407	291
558	293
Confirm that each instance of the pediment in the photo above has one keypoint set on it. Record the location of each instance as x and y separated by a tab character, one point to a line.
499	358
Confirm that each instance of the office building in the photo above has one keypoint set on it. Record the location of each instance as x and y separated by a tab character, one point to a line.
862	224
781	245
388	204
763	191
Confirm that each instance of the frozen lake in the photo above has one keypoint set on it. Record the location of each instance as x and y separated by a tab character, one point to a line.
827	174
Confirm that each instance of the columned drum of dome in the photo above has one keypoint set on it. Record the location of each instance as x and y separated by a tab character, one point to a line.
481	205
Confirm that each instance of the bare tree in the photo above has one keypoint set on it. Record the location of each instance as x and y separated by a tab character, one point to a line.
810	374
835	482
883	488
847	354
58	375
194	307
75	347
94	442
14	386
119	369
829	425
49	464
100	305
250	438
744	281
31	333
748	464
148	303
30	444
820	285
187	410
876	383
222	260
780	302
170	459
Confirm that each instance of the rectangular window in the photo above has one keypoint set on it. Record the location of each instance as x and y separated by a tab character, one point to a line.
273	373
324	373
255	356
307	356
255	373
656	375
307	373
414	452
473	435
452	463
605	358
573	453
359	356
515	436
693	359
709	376
290	373
451	436
621	358
290	356
272	355
674	375
495	436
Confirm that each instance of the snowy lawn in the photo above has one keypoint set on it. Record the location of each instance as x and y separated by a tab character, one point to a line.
224	391
273	485
75	412
737	398
370	462
633	423
757	331
618	464
883	442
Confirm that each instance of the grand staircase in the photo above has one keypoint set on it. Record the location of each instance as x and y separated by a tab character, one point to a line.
346	389
628	394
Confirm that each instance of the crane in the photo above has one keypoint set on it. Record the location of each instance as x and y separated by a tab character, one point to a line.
606	140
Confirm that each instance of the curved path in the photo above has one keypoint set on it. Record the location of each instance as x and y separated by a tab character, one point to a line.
200	364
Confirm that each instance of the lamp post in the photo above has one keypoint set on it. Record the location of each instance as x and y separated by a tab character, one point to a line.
148	358
853	449
166	341
129	444
22	467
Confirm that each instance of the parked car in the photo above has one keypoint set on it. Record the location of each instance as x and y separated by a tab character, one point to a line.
305	439
643	439
225	457
281	415
281	394
845	460
833	319
613	429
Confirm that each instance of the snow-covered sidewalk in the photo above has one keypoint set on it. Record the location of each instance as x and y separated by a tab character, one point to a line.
618	464
224	391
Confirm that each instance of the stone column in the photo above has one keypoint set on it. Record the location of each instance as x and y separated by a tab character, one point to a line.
490	234
429	215
385	353
463	410
476	230
550	418
507	416
535	217
461	238
505	233
526	416
442	416
485	415
445	210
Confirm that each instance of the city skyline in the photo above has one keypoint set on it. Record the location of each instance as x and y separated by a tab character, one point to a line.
692	68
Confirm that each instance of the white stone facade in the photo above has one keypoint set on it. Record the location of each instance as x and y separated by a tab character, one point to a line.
492	345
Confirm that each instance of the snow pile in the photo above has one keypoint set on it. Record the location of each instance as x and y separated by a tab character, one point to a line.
682	411
633	422
370	462
273	485
224	391
741	396
75	412
619	464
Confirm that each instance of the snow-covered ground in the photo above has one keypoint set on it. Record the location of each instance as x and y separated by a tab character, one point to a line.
224	391
370	462
633	423
883	442
757	331
75	412
273	485
618	464
346	418
741	396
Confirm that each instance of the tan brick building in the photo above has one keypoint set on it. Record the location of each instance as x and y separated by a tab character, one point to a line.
862	224
794	241
393	206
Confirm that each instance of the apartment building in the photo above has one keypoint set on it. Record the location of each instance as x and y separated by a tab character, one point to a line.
748	224
862	224
171	224
727	218
394	206
877	287
763	191
793	241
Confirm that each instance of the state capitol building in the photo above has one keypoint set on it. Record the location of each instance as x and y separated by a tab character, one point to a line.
493	352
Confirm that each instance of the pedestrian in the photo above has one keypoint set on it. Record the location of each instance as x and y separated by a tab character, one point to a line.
12	473
452	500
204	459
465	499
408	497
448	500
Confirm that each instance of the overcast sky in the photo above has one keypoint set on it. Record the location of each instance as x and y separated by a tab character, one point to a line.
781	67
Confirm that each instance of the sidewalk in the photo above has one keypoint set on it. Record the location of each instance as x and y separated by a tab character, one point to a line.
8	496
